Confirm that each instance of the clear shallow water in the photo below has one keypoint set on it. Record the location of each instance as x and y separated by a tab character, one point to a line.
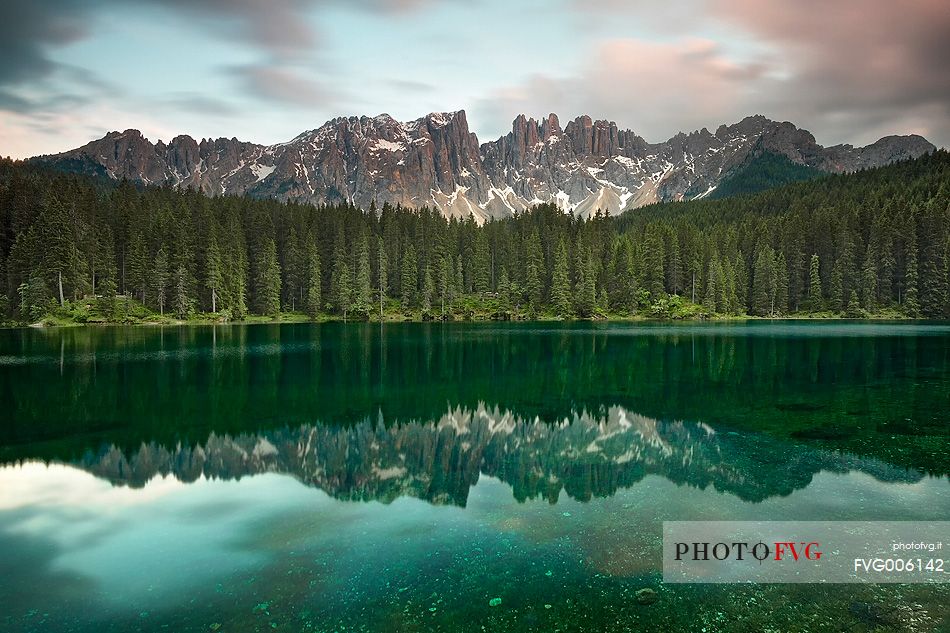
352	478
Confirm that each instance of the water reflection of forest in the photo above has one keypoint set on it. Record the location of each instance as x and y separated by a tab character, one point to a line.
878	390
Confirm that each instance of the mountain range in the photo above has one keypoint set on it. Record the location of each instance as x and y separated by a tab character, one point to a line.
437	161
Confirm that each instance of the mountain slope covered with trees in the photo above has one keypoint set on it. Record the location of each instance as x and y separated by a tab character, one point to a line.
874	242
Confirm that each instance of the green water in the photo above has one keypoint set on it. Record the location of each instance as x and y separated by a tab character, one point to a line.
407	477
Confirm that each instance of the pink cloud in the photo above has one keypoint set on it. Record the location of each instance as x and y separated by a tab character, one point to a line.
847	70
655	88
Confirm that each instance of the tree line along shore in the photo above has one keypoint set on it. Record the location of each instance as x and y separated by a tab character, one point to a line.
74	249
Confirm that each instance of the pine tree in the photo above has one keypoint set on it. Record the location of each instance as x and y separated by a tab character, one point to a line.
408	277
363	291
763	282
534	264
160	279
837	286
59	248
624	290
560	285
382	265
106	274
713	291
35	299
585	291
815	301
239	310
533	287
932	285
653	266
730	300
341	285
444	282
504	292
138	265
869	280
182	267
459	276
213	272
780	284
482	264
314	281
843	272
268	282
742	285
852	309
181	300
292	267
911	297
946	277
428	289
885	282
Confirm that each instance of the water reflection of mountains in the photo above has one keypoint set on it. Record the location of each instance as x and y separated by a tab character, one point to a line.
584	456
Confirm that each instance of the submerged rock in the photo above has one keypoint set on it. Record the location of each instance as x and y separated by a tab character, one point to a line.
646	596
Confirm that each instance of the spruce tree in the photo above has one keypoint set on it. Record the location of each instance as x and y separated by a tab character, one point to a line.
869	280
482	264
852	309
268	281
533	287
911	297
780	284
624	288
504	292
213	272
885	278
534	265
314	281
459	276
730	300
428	289
742	285
160	279
654	275
382	279
408	278
444	281
181	300
932	284
585	292
60	255
763	282
237	283
815	301
292	266
560	284
713	291
363	290
35	298
341	284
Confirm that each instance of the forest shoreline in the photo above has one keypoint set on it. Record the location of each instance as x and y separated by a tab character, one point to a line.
871	244
298	318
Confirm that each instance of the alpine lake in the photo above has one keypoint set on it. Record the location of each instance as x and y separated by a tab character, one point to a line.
454	477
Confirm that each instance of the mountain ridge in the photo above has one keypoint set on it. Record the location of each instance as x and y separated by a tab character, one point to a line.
436	161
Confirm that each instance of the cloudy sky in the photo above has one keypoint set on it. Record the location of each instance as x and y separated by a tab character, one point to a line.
850	71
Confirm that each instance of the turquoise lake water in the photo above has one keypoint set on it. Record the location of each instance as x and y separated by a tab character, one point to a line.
453	477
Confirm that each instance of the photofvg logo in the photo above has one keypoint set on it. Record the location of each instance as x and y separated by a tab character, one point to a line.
804	551
761	552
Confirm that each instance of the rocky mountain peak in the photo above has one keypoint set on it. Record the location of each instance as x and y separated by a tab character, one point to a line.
437	161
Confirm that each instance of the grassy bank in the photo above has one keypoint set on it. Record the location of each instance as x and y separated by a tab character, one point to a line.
127	311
